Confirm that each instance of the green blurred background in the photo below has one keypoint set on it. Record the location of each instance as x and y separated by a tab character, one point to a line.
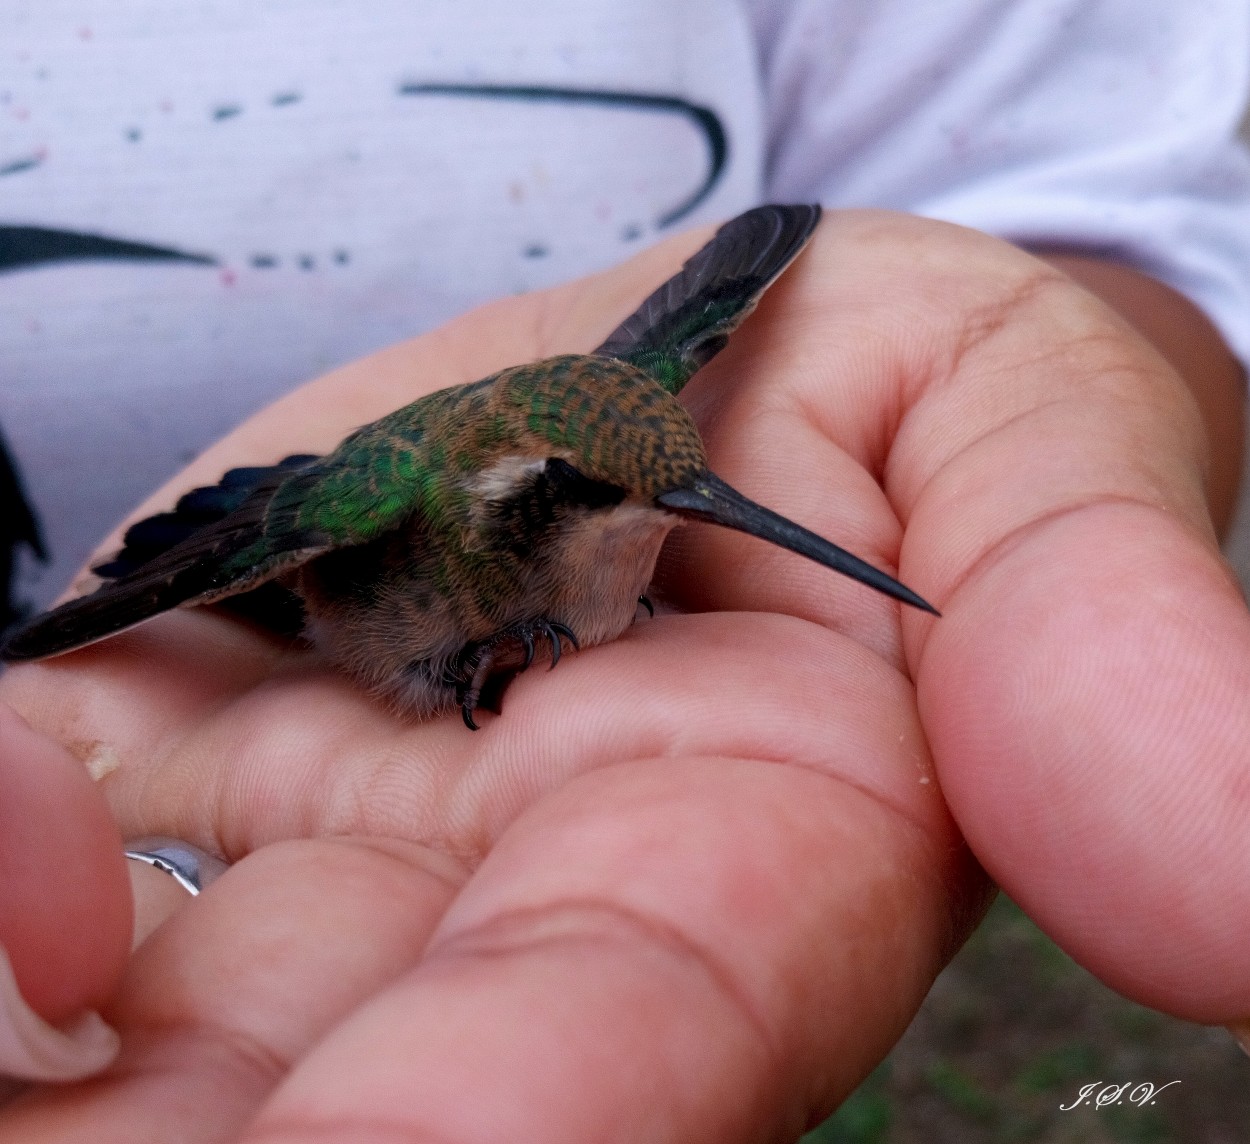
1013	1029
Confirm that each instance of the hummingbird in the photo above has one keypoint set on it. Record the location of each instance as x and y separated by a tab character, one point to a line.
436	551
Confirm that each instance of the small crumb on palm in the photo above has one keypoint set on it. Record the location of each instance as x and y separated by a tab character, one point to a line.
101	760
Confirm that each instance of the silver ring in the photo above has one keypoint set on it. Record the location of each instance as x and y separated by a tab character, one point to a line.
192	868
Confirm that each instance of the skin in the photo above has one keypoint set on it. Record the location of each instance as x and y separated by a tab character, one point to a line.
693	884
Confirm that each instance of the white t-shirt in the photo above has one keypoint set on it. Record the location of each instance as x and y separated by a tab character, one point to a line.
204	204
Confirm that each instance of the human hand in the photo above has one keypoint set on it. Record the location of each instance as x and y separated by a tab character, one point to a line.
694	883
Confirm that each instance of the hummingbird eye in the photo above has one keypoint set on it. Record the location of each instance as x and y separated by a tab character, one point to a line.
540	497
567	485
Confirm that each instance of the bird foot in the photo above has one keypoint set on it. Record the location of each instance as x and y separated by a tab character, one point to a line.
481	671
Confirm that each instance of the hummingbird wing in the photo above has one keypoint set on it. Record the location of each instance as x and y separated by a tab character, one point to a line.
269	604
147	539
688	320
232	537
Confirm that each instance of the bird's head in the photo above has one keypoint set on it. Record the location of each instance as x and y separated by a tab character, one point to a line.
594	433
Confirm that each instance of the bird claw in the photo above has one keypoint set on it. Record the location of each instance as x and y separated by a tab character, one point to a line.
553	630
476	661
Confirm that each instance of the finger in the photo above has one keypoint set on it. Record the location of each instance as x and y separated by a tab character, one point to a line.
236	986
1081	690
677	948
64	909
157	896
1117	816
799	413
1106	686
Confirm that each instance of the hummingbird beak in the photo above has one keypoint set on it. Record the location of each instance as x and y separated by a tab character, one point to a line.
709	498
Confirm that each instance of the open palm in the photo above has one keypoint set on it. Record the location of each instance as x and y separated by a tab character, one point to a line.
692	884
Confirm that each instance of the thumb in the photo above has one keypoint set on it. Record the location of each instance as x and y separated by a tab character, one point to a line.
65	910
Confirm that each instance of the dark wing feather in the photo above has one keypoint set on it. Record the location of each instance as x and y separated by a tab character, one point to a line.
270	604
226	540
223	557
149	538
687	321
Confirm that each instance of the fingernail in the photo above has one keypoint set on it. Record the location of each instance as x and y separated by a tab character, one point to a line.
1241	1034
32	1049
